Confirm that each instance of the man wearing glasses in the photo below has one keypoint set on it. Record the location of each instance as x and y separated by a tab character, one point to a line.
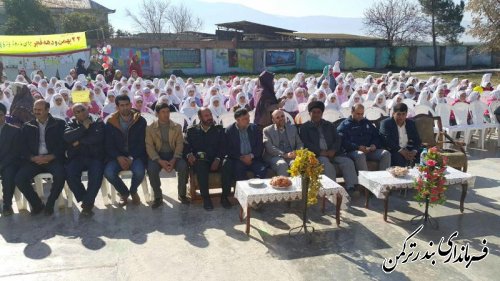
84	136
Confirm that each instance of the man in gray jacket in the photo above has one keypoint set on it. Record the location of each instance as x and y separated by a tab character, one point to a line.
280	142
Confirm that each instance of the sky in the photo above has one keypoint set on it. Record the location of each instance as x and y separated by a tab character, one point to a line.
280	13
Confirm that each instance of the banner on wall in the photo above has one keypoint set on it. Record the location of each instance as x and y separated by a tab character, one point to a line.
54	43
280	57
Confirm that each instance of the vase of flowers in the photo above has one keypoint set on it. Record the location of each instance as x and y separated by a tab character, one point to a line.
430	183
309	169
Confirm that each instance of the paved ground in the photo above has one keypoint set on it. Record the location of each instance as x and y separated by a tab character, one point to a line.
186	243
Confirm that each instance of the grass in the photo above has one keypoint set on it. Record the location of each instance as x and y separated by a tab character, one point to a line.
473	77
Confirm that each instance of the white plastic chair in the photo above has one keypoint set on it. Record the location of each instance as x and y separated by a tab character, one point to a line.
18	197
374	113
423	109
289	118
477	109
47	177
491	109
252	116
461	111
332	115
346	111
148	196
410	103
227	119
150	118
302	117
180	119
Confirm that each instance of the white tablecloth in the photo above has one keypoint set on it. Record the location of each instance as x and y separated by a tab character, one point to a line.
248	195
381	182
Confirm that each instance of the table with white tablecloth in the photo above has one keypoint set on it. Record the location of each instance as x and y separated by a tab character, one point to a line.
248	195
381	183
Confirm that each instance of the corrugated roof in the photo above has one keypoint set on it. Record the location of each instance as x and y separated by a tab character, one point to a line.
328	36
252	27
70	4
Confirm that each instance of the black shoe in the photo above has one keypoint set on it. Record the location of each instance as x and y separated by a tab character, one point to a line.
48	211
207	204
87	210
225	203
7	211
36	211
157	203
184	200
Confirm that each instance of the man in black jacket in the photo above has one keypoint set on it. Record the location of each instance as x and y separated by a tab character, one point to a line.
321	137
43	150
84	136
9	162
125	138
204	149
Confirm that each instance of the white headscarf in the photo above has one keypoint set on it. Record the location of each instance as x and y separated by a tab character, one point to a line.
352	101
372	93
332	105
382	104
58	111
242	104
291	104
474	96
423	98
187	109
216	110
486	79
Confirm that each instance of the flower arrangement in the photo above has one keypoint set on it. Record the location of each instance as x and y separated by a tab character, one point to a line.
430	184
307	166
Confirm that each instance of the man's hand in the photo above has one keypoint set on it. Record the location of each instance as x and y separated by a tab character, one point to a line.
171	164
38	160
331	153
86	123
124	162
290	155
76	143
408	155
191	159
246	159
165	165
373	147
363	149
215	165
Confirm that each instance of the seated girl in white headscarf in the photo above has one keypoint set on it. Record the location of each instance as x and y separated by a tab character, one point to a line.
396	100
300	95
173	98
4	99
242	100
58	108
291	106
353	99
424	97
110	106
216	106
50	93
321	95
332	102
372	93
140	106
380	101
311	98
438	97
189	108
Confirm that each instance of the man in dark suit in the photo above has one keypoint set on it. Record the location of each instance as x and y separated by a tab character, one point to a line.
43	149
9	164
244	149
400	137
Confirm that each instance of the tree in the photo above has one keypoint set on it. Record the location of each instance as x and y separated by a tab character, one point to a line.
152	17
160	16
27	17
181	19
396	21
78	22
122	33
445	18
485	22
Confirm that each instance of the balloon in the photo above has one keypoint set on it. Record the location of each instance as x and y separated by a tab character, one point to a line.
108	47
105	50
105	66
105	59
99	50
109	52
110	61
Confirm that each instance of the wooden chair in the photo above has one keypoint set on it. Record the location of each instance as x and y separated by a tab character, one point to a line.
457	158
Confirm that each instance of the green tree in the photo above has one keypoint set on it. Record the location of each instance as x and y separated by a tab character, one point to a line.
485	22
79	22
445	17
27	17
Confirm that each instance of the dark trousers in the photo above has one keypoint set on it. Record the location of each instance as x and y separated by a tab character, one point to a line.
202	171
235	170
398	160
9	184
29	170
112	170
74	169
154	170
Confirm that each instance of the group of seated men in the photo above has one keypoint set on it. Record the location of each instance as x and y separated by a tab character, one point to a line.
126	143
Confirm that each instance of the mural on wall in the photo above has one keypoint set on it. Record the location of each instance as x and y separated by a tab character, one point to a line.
359	58
280	58
156	61
425	57
181	58
122	56
233	60
456	56
316	59
401	55
53	65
